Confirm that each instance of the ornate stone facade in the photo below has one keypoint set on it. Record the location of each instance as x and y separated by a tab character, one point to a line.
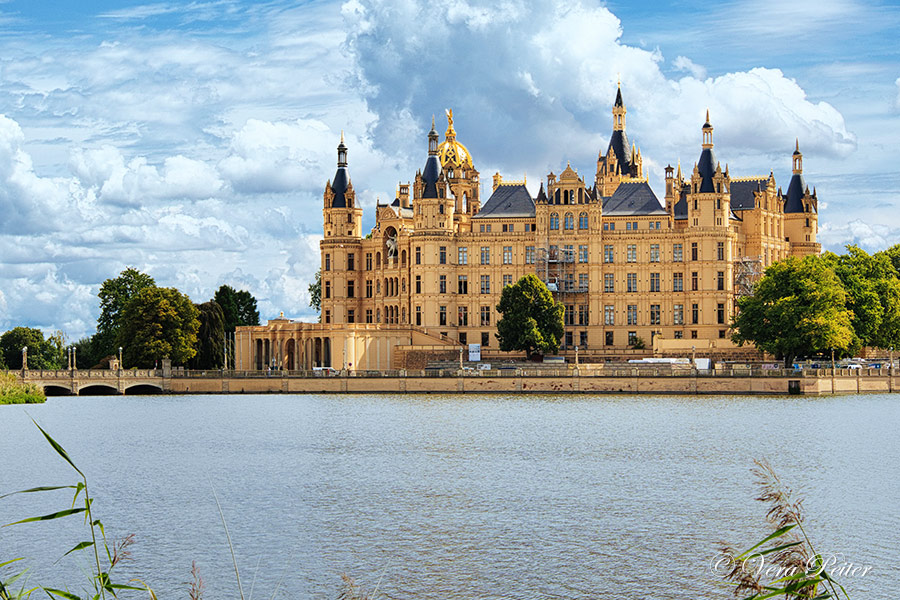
627	267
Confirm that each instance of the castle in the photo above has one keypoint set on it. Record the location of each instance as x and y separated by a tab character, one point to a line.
630	270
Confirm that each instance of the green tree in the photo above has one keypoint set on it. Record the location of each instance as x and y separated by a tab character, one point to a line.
42	353
87	352
210	337
893	254
239	307
114	296
798	308
531	320
873	295
315	292
159	323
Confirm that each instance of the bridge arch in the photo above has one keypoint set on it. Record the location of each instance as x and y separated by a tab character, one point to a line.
57	390
98	389
142	389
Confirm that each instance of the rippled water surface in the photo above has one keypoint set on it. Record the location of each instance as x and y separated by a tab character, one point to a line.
445	497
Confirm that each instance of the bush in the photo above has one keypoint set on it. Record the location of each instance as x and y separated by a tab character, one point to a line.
13	392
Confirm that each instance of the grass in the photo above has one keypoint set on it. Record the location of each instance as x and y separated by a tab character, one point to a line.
13	392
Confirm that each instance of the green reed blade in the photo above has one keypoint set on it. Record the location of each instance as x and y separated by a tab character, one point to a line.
80	546
56	515
59	449
39	489
61	593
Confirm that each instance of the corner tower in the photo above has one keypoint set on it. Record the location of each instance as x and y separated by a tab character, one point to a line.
801	210
342	218
462	177
433	206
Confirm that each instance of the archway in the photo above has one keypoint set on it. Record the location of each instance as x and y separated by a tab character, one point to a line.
98	390
142	389
57	390
289	355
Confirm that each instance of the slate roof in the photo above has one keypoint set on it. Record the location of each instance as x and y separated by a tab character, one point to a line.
681	208
742	197
707	166
796	190
508	201
633	199
339	187
619	101
618	144
430	176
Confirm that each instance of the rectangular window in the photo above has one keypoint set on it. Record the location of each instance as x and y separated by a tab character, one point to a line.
654	252
442	255
677	282
693	334
485	284
608	253
634	226
463	315
628	226
485	339
609	283
720	250
612	226
609	315
695	313
351	261
632	314
485	315
328	289
505	228
418	284
351	288
512	227
368	261
695	282
583	282
529	255
569	282
678	314
720	313
632	338
463	338
609	338
368	288
582	339
328	316
368	315
568	253
463	284
351	316
463	256
679	335
632	283
419	316
654	282
442	315
442	284
582	254
654	314
485	255
568	339
722	333
507	280
695	252
677	253
720	280
631	255
418	255
327	262
606	227
583	314
569	314
507	255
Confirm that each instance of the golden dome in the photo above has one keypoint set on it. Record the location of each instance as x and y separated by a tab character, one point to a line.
453	155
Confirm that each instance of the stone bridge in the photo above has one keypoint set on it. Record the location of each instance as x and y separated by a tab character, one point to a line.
96	382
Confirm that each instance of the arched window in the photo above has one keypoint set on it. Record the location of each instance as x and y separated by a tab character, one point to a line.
554	220
583	221
403	258
569	221
565	196
377	259
378	315
580	196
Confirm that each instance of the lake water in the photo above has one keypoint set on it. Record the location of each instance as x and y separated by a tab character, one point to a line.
445	496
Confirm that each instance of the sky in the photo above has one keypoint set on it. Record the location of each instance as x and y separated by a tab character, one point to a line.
193	140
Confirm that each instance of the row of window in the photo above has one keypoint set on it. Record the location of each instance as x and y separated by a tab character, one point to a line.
508	227
631	254
631	282
631	314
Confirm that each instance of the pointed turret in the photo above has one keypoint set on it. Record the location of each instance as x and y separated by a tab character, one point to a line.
707	164
797	188
432	171
341	181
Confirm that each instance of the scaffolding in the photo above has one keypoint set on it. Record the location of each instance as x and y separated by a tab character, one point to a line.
747	272
556	268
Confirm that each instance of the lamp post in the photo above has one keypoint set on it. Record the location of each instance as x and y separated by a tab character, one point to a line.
832	359
74	358
24	358
576	356
694	356
69	358
120	358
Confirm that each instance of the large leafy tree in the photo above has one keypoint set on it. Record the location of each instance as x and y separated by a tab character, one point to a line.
42	353
210	337
114	296
315	292
238	307
531	320
159	323
798	308
873	295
